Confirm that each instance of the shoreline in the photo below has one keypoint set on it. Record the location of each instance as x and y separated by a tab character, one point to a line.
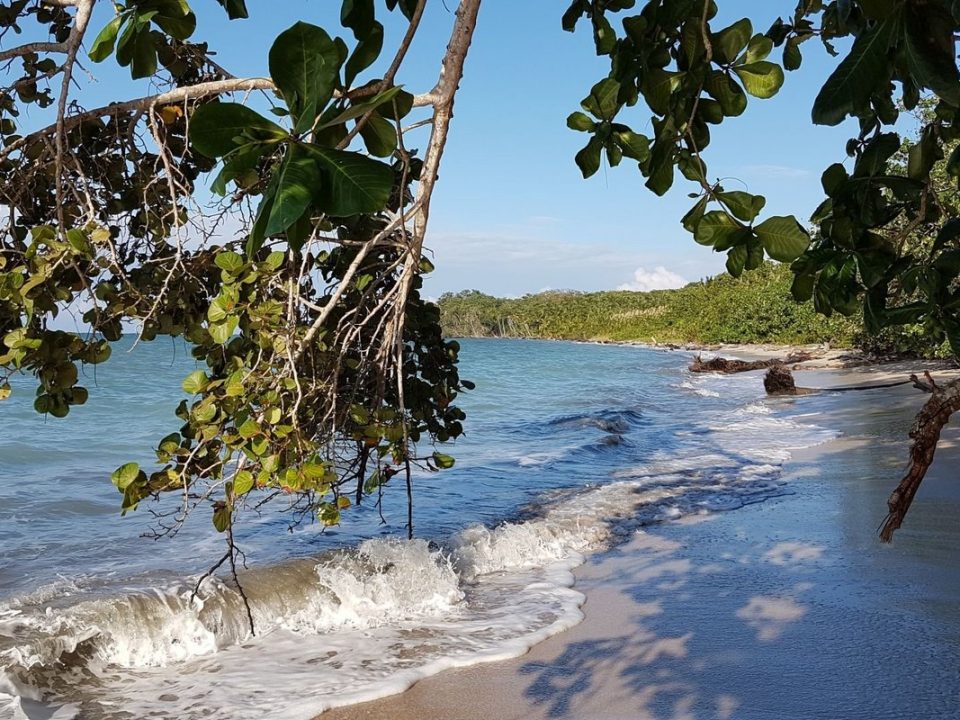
594	670
825	355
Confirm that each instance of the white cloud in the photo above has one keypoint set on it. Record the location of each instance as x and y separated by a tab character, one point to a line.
511	263
657	279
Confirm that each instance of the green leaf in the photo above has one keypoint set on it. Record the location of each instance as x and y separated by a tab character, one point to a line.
737	260
754	254
257	235
196	382
124	475
604	37
761	79
305	65
725	91
180	28
444	462
222	332
359	109
878	9
602	100
948	233
103	46
923	155
693	217
379	135
364	55
143	62
299	181
792	57
759	49
930	51
249	429
783	237
572	14
243	482
718	229
875	156
634	145
857	76
236	9
657	87
802	287
661	167
588	159
231	262
221	518
953	163
218	128
580	122
351	184
833	179
743	205
730	42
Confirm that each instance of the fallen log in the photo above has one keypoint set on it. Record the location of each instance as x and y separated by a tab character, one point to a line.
729	367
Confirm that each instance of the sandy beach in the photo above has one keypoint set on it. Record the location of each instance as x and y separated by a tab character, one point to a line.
787	609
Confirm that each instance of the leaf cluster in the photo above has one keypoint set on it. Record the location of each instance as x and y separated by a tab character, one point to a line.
692	75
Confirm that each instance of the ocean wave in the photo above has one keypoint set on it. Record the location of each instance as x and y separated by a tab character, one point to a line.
360	623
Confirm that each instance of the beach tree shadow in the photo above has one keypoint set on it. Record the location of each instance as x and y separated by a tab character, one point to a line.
651	665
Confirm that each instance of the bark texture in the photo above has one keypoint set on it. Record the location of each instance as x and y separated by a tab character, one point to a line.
935	414
729	367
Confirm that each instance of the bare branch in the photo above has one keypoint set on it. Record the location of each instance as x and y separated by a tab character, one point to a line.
935	414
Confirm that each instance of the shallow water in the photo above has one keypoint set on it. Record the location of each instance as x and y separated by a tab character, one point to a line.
570	448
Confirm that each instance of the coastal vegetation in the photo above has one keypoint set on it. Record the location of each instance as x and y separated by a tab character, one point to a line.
754	308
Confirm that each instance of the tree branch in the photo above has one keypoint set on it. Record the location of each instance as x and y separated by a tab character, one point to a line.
935	414
177	95
68	46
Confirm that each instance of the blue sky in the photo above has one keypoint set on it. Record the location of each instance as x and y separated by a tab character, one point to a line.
511	213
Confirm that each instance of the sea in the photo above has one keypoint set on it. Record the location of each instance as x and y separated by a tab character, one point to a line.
571	449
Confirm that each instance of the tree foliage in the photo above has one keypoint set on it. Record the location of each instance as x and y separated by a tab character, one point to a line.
692	75
295	281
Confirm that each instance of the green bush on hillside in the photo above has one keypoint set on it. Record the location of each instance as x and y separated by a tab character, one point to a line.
755	308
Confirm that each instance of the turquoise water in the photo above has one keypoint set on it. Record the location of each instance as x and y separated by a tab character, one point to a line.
568	448
544	416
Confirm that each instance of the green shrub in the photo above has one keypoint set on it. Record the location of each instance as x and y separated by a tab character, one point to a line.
755	308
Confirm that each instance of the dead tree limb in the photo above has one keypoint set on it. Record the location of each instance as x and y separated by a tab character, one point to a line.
935	414
729	367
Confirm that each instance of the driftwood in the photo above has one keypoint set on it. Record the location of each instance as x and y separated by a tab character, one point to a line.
729	367
935	414
779	381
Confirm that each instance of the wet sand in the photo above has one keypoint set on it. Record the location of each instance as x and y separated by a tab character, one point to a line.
789	609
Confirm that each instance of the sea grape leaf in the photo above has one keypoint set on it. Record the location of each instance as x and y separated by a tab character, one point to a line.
216	127
305	65
854	80
350	183
783	237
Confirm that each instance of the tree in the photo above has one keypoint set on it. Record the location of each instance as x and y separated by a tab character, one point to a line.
860	258
324	366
